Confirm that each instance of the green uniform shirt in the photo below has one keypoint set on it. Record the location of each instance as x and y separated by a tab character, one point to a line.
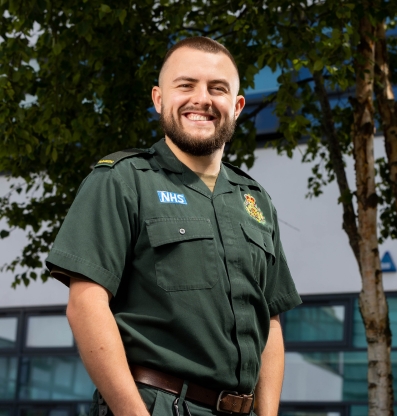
195	275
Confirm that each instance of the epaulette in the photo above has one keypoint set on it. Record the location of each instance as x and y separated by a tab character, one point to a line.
240	177
239	171
114	158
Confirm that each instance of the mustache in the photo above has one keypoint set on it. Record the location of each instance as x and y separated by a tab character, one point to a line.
210	111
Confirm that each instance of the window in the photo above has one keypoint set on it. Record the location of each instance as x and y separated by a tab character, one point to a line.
308	413
49	331
265	81
54	378
8	377
8	331
358	326
41	373
326	357
315	323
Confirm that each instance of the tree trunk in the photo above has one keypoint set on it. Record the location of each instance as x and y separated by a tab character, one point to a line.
372	300
386	105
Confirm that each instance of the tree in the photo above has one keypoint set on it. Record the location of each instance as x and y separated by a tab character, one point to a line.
75	85
86	101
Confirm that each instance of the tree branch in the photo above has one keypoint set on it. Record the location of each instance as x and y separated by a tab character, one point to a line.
257	110
349	216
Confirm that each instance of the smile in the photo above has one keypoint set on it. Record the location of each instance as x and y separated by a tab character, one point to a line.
199	117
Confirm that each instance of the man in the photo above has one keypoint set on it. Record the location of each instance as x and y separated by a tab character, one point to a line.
174	261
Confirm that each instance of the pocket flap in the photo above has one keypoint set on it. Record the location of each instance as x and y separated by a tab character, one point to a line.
170	230
262	239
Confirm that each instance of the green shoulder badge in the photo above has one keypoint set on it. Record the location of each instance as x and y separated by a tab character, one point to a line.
114	158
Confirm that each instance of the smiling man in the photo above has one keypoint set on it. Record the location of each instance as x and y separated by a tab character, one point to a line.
176	270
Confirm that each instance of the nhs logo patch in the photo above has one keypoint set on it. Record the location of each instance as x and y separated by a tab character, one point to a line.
171	198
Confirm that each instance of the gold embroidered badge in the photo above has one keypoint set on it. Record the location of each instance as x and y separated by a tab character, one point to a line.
106	161
253	209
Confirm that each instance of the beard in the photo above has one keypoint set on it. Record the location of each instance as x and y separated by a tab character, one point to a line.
194	144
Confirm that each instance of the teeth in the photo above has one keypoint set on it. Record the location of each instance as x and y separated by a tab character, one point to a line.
197	117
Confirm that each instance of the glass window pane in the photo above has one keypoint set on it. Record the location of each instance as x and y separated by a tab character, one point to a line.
314	323
82	409
308	413
8	377
359	339
8	331
49	331
344	374
44	412
362	410
265	81
55	378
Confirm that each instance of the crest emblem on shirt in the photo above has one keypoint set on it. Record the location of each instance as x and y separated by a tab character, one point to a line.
253	210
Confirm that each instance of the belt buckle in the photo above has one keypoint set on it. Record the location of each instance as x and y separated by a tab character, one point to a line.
218	402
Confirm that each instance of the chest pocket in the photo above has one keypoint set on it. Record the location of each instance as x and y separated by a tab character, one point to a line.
184	253
262	251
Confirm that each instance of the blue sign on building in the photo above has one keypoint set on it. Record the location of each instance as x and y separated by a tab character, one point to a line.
387	263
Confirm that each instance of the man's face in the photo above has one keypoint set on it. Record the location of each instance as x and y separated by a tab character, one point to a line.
197	100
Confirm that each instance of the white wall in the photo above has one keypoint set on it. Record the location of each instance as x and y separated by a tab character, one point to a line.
37	293
317	249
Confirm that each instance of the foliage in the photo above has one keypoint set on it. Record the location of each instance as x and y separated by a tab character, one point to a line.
88	68
75	85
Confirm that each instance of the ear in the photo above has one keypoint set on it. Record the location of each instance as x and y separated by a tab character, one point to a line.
240	103
156	97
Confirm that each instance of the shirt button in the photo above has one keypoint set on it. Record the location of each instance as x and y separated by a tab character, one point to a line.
182	231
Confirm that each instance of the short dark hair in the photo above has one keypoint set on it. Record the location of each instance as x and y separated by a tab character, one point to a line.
200	43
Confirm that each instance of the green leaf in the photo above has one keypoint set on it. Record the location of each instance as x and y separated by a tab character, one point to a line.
318	65
104	8
122	16
57	48
4	233
54	154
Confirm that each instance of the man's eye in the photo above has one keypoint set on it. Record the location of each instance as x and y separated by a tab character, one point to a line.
221	89
184	86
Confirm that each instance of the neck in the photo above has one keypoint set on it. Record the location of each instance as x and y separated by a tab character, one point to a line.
209	165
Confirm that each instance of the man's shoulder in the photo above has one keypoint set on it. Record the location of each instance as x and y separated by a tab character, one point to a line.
238	173
113	159
241	177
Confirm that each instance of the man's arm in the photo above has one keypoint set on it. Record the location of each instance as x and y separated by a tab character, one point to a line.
268	389
101	347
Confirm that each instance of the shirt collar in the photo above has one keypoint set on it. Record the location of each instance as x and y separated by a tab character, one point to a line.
166	159
229	175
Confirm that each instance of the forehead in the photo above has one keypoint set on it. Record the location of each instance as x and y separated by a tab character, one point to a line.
203	66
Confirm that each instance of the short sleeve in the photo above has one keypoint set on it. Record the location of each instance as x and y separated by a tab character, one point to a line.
95	239
280	292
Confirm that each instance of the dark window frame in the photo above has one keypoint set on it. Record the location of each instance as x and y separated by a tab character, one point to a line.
21	351
309	346
315	303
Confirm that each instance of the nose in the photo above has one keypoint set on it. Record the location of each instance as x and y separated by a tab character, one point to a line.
201	96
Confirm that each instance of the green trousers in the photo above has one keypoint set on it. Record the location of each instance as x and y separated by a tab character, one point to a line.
161	403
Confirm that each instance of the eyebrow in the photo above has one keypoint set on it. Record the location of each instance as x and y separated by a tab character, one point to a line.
194	80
